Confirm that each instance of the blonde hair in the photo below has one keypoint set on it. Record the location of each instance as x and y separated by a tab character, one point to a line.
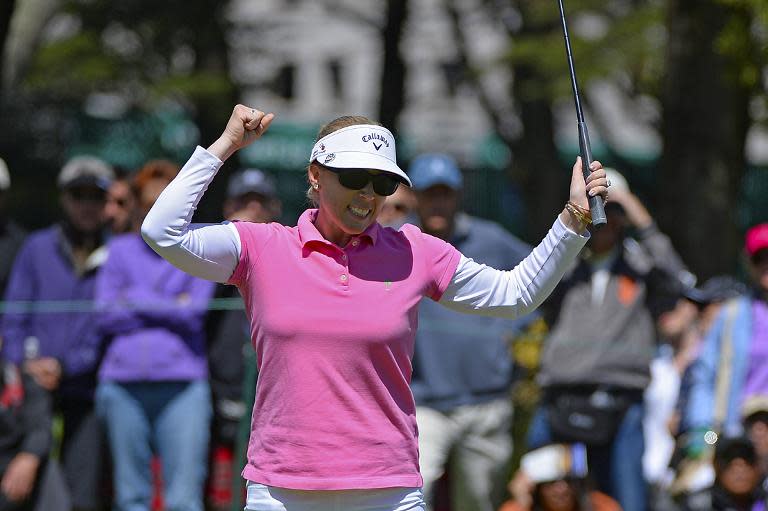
338	123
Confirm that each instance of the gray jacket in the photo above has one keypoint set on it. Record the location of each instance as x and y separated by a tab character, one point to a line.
464	359
611	343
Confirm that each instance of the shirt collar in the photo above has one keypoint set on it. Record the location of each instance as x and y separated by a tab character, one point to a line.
94	261
308	233
461	228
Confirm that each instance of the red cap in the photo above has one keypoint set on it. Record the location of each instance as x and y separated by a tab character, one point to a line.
756	239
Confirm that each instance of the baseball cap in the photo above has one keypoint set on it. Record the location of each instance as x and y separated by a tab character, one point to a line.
251	181
555	462
618	182
715	289
363	146
753	405
430	170
728	449
756	239
5	176
86	171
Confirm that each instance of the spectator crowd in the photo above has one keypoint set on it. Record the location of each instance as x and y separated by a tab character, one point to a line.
122	386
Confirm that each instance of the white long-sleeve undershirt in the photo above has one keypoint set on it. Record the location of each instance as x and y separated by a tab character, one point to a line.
212	251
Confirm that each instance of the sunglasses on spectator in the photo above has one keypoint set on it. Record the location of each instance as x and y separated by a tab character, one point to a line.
357	179
88	194
400	207
121	202
760	257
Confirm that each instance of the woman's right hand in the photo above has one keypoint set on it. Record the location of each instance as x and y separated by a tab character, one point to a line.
244	126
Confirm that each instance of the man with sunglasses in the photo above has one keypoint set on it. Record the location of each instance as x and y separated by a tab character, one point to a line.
398	208
462	370
333	304
59	346
120	208
735	350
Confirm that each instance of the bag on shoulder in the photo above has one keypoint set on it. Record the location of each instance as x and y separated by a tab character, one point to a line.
592	418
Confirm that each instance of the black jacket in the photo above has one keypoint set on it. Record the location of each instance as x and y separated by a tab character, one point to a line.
717	499
25	415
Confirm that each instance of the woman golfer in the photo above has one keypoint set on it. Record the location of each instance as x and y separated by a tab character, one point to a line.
333	308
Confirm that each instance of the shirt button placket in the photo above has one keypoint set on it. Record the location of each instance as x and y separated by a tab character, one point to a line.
344	277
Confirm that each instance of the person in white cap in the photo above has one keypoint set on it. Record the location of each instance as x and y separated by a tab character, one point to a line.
555	477
596	358
60	348
11	233
333	305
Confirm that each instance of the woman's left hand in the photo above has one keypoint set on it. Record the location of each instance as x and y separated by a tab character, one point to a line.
595	184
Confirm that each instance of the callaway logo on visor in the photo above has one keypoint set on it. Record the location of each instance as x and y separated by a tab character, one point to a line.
362	146
373	137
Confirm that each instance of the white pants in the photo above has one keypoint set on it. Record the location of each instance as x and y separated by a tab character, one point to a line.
270	498
479	440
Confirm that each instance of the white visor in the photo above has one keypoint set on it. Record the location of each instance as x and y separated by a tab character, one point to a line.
364	146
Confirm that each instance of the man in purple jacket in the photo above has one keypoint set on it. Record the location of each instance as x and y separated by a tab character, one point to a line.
51	330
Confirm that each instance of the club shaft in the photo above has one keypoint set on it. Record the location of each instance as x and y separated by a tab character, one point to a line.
571	69
595	203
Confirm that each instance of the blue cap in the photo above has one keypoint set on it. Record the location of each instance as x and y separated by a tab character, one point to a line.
430	170
251	181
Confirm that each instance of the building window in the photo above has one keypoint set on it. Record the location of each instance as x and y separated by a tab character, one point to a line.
334	67
283	84
453	74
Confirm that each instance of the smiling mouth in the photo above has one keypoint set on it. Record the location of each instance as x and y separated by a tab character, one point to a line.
359	212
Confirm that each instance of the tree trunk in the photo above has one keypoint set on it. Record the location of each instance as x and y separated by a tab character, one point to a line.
393	71
211	112
535	156
705	122
545	183
535	165
6	12
213	57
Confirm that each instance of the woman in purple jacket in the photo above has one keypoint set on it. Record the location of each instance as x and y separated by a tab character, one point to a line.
153	392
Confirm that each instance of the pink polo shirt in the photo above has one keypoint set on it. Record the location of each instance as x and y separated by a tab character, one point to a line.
334	330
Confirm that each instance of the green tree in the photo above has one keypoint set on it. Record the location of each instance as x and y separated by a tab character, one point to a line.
143	51
620	46
713	68
157	73
701	61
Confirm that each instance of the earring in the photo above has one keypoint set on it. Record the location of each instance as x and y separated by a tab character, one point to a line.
315	186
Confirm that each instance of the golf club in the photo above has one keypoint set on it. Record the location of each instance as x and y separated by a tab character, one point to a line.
595	203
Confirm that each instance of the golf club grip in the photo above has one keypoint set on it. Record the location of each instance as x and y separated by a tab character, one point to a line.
595	203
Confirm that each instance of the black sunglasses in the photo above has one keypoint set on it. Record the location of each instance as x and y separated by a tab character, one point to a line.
88	194
357	179
760	257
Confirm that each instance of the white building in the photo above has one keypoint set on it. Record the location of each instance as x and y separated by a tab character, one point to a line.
311	61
